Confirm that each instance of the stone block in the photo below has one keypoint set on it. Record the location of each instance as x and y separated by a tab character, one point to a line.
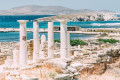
29	78
73	70
62	77
76	65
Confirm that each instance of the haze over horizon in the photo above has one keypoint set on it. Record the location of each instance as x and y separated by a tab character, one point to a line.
112	5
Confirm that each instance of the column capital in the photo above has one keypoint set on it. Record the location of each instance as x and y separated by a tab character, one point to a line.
35	21
22	21
63	22
50	22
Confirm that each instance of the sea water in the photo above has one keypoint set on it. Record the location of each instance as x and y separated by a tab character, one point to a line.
14	36
8	21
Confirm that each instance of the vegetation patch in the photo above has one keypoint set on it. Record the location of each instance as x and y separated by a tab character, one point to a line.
57	40
52	75
75	42
112	41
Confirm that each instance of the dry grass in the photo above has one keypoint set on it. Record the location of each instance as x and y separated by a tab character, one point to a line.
52	67
3	75
45	72
112	73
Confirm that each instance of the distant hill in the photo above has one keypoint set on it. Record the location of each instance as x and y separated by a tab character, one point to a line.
37	10
43	10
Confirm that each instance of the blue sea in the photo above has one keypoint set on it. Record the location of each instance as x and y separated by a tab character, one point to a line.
11	22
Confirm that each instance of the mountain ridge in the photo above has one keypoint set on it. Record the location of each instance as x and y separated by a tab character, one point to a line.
45	10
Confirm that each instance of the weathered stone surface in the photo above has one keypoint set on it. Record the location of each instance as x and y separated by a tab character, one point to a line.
73	70
43	47
50	40
63	39
23	43
76	65
30	49
8	62
58	63
97	69
62	77
16	57
36	41
24	77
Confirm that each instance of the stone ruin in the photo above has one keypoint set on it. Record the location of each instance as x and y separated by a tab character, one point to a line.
29	57
31	52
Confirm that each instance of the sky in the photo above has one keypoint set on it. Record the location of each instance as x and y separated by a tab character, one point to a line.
112	5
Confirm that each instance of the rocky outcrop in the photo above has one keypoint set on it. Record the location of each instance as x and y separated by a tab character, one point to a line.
99	68
97	17
82	17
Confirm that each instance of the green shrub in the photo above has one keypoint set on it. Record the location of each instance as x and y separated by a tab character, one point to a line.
112	41
77	42
74	42
58	40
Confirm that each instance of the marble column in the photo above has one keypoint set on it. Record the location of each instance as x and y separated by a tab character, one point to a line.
63	39
43	46
43	41
16	57
79	46
36	41
50	40
68	43
23	43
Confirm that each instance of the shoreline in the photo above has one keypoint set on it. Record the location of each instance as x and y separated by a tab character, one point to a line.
82	30
93	57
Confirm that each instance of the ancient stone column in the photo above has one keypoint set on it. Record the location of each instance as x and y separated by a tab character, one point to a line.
43	40
16	57
23	43
36	41
68	43
63	39
30	49
50	40
78	46
43	46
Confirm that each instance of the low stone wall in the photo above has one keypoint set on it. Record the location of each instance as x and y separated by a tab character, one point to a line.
6	49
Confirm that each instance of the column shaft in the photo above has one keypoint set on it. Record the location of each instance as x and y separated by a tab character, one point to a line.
36	41
23	43
50	40
16	57
63	39
68	43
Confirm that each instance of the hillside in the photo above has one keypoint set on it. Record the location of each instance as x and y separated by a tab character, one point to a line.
88	16
44	10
